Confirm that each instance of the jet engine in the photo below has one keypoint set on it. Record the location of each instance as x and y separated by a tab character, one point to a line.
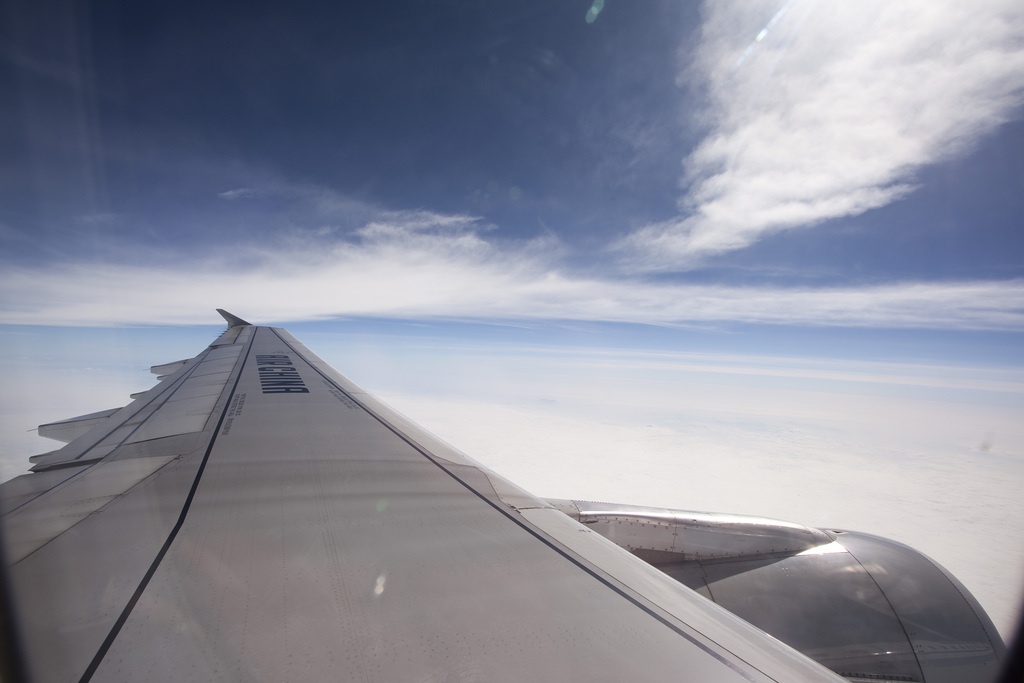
868	608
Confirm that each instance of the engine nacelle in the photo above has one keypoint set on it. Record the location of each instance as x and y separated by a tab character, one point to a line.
866	607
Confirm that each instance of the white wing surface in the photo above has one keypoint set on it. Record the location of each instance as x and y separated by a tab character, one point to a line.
257	516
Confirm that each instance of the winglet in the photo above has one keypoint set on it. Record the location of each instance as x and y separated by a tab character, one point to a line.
233	320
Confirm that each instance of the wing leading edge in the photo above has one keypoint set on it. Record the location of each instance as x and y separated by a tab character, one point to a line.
256	515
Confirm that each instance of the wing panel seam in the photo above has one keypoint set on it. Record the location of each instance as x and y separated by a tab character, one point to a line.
130	605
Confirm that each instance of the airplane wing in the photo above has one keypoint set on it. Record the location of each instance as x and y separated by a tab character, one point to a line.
258	516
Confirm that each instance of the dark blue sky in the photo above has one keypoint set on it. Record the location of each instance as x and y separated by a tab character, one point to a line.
665	145
514	112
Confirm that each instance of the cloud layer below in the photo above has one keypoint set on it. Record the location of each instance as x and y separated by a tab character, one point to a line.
823	110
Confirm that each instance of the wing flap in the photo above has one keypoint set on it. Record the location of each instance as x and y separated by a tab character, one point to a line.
68	430
182	404
33	526
168	368
73	589
20	490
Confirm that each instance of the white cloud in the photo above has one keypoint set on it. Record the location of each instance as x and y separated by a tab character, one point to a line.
238	193
420	265
820	110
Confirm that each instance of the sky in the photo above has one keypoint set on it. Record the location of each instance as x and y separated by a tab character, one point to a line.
759	257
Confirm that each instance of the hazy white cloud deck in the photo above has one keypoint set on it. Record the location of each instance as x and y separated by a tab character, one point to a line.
423	271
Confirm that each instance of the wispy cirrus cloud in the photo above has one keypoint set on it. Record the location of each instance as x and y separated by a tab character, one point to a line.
238	193
418	264
823	110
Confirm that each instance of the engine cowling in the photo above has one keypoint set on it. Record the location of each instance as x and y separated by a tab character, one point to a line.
866	607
